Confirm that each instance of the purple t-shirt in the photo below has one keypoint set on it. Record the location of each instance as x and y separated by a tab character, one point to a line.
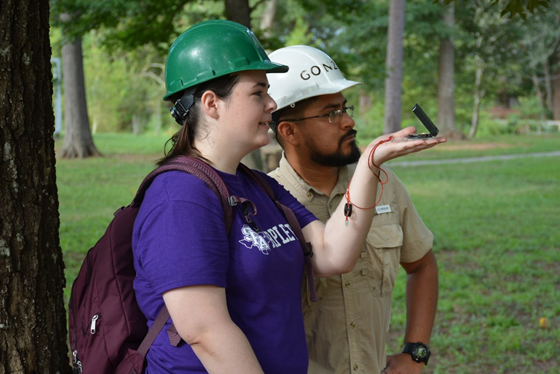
180	240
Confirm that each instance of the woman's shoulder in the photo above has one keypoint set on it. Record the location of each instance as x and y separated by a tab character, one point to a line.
177	185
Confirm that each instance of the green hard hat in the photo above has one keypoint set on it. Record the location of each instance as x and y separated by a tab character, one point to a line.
212	49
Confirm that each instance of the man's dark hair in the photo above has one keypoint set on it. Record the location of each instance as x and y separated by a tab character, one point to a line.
290	112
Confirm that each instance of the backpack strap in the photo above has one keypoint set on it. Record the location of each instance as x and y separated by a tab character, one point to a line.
154	331
294	224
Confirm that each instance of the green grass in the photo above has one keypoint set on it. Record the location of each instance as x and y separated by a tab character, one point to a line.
498	248
496	240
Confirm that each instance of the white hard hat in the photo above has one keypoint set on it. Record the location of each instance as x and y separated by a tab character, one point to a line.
312	73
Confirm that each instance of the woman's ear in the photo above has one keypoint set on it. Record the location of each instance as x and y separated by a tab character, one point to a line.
210	104
288	132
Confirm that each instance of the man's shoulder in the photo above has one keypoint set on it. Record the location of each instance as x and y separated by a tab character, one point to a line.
276	173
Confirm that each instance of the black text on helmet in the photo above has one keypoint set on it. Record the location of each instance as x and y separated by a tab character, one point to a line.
316	70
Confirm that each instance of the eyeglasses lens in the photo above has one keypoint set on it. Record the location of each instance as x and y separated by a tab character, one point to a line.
336	115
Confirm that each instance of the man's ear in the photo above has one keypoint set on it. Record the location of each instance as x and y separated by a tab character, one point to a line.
288	132
211	104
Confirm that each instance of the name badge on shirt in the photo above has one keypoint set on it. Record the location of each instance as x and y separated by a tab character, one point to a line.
383	209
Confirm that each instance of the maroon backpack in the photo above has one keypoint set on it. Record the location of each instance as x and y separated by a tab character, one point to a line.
108	331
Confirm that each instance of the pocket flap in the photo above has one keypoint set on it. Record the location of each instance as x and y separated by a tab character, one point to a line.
386	236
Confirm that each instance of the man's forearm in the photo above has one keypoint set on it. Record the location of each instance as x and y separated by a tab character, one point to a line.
421	298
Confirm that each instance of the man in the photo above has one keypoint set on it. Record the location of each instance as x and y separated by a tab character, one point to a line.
346	329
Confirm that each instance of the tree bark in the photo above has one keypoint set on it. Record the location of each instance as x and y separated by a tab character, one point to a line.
33	331
78	142
479	93
394	64
446	87
556	83
547	84
267	17
238	11
538	91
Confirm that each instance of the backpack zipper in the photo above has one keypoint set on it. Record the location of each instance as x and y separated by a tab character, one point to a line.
93	324
76	364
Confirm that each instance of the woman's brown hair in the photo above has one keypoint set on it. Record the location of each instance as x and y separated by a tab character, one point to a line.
182	142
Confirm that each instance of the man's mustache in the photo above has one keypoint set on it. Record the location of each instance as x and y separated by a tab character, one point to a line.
350	133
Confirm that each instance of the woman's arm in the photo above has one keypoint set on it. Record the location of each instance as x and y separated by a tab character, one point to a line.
336	246
202	320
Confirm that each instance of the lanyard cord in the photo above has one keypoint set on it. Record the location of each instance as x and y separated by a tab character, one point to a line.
348	206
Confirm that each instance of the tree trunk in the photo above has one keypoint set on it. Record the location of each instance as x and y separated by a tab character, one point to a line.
78	142
446	88
394	64
539	92
478	95
238	11
547	84
267	17
33	331
136	124
556	83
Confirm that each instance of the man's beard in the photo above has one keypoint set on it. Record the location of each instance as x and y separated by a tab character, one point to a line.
337	159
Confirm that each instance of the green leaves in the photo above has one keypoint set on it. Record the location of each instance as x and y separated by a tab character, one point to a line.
513	7
516	7
127	24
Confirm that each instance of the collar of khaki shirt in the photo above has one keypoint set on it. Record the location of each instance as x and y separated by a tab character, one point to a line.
304	188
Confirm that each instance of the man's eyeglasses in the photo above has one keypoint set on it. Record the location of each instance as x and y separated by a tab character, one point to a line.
334	117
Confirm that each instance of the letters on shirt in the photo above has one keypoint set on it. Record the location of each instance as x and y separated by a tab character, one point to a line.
264	241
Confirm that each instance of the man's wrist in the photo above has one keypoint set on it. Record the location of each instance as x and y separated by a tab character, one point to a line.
419	352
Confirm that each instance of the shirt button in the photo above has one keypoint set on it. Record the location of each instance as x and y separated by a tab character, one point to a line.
309	195
347	284
355	367
352	324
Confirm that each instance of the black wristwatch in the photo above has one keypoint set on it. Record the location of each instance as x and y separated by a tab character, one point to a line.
418	351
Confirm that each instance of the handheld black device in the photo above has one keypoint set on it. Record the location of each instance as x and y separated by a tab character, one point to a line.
423	117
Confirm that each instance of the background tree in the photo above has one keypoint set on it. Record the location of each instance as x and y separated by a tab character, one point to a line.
150	21
556	80
541	42
393	83
32	314
446	83
238	11
78	142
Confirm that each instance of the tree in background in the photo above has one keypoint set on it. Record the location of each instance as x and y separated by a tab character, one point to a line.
32	315
393	83
541	42
446	83
130	25
78	142
486	53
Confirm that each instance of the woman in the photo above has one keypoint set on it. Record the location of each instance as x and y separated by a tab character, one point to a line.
235	300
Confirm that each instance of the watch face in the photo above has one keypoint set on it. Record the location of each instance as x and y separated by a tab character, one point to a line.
420	351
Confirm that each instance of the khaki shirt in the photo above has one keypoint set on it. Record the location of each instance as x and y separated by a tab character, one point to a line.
346	329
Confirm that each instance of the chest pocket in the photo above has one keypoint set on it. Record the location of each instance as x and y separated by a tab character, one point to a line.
384	244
